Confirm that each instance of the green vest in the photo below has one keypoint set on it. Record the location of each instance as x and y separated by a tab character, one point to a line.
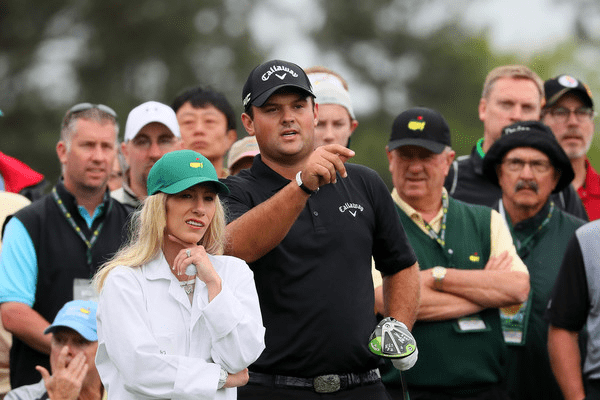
449	358
529	372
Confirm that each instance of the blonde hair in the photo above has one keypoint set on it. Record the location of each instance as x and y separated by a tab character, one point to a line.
147	234
511	71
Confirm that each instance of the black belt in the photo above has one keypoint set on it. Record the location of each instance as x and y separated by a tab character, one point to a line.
320	384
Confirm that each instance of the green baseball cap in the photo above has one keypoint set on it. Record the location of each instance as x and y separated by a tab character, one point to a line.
181	169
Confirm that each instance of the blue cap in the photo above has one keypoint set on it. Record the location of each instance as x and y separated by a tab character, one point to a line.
79	315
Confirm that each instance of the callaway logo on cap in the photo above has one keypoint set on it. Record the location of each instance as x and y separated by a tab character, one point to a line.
271	76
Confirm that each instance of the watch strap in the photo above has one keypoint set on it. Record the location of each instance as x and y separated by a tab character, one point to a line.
302	185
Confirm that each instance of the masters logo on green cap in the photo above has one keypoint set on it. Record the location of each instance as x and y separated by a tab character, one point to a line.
181	169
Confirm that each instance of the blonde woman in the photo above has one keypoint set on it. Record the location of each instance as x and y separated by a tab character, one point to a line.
176	319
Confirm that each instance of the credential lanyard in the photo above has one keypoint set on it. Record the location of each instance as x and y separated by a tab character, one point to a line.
440	238
514	320
69	217
523	244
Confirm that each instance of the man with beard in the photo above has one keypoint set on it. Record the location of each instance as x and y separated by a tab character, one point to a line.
150	132
308	225
569	112
528	164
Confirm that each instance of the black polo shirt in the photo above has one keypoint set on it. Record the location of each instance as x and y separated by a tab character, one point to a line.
315	288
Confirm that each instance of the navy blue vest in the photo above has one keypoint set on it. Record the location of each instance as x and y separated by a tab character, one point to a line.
61	257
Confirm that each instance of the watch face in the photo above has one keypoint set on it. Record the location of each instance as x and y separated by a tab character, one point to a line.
438	272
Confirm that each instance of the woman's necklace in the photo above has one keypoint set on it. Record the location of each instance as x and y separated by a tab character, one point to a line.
188	286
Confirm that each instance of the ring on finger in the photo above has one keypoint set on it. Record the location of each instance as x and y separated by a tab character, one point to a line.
188	252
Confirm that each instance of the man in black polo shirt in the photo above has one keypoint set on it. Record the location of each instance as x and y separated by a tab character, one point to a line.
51	248
308	226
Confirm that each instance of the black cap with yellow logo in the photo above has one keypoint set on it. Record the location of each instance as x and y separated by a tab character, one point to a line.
421	127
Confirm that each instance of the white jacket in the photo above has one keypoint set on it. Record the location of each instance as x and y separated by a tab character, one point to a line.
152	344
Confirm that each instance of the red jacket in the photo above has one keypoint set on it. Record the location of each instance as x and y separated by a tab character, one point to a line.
17	175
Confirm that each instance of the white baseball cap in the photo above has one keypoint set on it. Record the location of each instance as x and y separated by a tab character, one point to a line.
150	111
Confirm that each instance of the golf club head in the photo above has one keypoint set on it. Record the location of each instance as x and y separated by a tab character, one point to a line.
391	339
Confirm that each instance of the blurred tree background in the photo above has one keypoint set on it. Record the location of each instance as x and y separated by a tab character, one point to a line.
57	53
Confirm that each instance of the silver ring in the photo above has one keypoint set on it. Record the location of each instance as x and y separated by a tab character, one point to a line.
188	252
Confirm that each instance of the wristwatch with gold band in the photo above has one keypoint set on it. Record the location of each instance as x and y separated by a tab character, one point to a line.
438	273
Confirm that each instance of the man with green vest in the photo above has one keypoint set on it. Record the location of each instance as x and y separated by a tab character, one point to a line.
528	164
469	268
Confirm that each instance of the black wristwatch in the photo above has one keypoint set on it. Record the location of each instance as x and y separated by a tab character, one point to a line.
303	186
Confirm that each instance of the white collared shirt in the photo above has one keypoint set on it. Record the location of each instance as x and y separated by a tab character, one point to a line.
152	343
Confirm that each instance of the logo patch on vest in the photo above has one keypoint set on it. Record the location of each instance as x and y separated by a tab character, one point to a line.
474	257
352	208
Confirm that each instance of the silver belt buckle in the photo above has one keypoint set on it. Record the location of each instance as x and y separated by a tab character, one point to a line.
327	383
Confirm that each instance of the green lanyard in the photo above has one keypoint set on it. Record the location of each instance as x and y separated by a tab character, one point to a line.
480	148
523	244
69	217
432	234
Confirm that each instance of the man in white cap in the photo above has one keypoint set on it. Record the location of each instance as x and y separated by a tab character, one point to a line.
336	116
73	348
151	131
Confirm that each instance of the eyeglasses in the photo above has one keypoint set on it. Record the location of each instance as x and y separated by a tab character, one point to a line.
582	114
516	165
88	106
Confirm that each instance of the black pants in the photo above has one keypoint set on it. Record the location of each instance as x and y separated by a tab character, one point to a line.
592	389
375	391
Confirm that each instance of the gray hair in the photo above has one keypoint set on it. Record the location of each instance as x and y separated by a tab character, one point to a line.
69	123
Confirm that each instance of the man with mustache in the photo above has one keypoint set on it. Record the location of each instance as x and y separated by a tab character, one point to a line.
569	112
529	165
511	93
151	131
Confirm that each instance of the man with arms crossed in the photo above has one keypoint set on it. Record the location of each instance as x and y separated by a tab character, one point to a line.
469	268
